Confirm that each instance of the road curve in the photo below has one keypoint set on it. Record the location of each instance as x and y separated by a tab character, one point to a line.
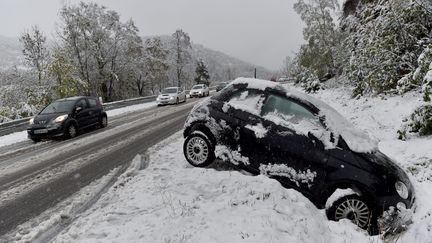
37	177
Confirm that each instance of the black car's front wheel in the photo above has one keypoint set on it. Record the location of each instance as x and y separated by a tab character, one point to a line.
103	122
354	208
198	150
71	131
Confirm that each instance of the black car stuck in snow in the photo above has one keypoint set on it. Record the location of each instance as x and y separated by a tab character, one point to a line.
265	128
66	117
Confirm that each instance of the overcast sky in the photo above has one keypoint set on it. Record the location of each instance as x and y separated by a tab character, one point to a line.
262	32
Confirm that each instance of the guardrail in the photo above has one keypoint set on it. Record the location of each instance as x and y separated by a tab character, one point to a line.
21	124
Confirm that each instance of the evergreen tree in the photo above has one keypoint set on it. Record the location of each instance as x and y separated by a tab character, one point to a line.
202	75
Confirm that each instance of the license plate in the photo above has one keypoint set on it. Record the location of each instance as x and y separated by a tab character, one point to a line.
40	131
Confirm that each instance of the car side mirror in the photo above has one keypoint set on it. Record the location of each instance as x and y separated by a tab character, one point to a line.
316	142
78	109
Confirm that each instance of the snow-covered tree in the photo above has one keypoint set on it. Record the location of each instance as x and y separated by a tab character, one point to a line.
202	76
154	72
35	50
182	45
320	54
103	49
385	39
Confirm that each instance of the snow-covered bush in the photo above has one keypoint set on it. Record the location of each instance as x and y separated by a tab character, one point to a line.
419	122
312	86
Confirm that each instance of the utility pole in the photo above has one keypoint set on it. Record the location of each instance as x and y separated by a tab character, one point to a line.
255	73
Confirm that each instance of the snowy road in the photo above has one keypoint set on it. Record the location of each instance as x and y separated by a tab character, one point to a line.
34	177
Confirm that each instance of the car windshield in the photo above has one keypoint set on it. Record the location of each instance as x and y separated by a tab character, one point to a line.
60	106
197	87
169	91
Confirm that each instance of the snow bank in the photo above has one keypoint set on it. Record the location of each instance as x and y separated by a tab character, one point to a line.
171	201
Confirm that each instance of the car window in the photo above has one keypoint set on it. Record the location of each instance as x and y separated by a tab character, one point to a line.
60	106
247	100
169	91
92	103
287	110
82	103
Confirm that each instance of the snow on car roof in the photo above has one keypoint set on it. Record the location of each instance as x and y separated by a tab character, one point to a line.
357	140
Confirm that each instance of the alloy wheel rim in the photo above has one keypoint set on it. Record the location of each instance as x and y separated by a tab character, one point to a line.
354	210
104	121
197	150
72	131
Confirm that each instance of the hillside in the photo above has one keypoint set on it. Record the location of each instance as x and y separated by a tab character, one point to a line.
10	52
221	66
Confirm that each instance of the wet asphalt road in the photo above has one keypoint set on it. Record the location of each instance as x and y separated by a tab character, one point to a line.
90	155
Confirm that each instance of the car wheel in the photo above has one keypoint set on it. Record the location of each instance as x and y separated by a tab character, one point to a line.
185	99
36	140
71	131
354	208
103	122
198	150
177	101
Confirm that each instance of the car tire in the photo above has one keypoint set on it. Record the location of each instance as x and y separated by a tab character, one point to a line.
177	101
185	99
103	122
36	140
357	210
71	131
198	150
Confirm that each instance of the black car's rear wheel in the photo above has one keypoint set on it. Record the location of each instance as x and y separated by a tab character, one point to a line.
354	208
198	150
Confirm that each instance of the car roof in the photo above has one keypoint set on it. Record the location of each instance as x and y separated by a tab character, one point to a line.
75	98
356	139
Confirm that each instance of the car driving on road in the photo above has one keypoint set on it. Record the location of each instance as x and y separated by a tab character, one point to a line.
266	128
199	90
66	117
171	95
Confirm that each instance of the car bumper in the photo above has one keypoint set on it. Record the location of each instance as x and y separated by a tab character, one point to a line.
195	94
45	132
165	102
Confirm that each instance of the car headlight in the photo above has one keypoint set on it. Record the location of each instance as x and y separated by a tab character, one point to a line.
31	121
157	99
171	98
61	119
401	189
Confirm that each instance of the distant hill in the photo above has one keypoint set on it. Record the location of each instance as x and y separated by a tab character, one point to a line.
10	52
221	66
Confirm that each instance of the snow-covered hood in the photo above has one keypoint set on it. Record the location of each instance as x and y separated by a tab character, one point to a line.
357	140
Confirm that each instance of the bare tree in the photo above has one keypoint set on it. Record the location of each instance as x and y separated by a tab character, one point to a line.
182	45
35	50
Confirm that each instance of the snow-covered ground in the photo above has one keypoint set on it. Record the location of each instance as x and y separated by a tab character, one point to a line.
164	199
22	136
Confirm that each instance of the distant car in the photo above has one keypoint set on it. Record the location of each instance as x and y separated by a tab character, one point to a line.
66	117
220	86
171	95
265	128
199	90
